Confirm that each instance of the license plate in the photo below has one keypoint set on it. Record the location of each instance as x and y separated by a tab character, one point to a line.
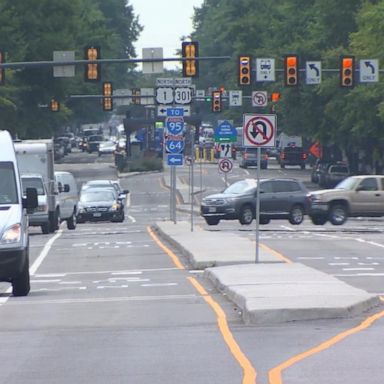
211	209
97	214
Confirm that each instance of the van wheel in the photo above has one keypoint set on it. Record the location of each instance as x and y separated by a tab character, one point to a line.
246	215
21	284
319	219
54	221
71	222
296	216
45	228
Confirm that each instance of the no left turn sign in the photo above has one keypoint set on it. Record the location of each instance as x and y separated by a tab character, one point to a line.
259	130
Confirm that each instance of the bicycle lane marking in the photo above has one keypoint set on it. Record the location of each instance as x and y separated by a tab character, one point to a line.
274	375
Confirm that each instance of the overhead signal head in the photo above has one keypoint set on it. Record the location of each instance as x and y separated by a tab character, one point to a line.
244	70
291	70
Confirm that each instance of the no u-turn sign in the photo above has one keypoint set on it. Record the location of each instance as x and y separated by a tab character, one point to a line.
259	130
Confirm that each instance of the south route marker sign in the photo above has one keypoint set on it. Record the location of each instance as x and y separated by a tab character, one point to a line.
225	132
259	130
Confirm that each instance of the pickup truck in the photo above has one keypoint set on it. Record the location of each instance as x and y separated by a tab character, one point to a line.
356	196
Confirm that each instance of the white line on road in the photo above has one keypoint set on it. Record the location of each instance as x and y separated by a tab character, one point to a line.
358	269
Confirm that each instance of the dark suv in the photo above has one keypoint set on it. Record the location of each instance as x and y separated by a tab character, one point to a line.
293	156
279	199
249	157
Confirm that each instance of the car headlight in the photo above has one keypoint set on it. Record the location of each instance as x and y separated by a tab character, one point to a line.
114	207
229	199
12	234
314	198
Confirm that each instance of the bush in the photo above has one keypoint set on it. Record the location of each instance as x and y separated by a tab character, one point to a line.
144	164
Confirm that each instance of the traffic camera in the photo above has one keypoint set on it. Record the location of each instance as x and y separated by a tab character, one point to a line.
216	101
291	70
107	99
190	50
347	71
92	71
245	70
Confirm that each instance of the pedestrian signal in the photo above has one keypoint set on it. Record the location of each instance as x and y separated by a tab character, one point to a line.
190	50
92	71
54	105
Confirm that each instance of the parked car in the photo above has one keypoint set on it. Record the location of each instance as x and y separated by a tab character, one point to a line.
249	157
355	196
332	174
99	204
281	198
292	156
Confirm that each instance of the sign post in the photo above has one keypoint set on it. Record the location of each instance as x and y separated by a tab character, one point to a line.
259	131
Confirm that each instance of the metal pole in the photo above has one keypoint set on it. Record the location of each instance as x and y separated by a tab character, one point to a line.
171	194
258	203
174	193
192	176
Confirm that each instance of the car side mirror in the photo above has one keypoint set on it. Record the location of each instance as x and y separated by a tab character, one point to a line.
30	202
60	187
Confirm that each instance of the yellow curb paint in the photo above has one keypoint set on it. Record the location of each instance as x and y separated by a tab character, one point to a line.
275	253
173	257
249	372
274	374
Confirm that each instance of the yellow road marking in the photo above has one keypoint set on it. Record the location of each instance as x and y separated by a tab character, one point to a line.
275	253
173	257
274	374
249	372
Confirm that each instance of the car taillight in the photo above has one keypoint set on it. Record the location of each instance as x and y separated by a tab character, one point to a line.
304	156
282	156
245	156
265	156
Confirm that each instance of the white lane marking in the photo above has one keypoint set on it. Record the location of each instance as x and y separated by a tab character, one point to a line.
335	264
44	252
59	289
128	273
287	228
345	258
159	285
368	263
111	286
45	281
133	220
358	269
359	274
50	275
105	299
311	258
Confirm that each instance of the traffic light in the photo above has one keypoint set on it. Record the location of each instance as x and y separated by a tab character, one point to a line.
92	71
54	105
190	50
2	70
136	96
216	101
107	99
275	97
245	70
347	71
291	70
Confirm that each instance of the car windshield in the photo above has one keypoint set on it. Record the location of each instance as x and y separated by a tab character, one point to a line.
93	196
8	189
33	182
240	187
348	184
338	169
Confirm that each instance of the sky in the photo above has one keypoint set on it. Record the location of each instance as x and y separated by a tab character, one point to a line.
164	22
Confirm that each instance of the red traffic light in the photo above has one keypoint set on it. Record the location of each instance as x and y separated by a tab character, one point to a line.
347	71
291	70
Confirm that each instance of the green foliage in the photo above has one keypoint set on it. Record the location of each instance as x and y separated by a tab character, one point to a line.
32	30
144	164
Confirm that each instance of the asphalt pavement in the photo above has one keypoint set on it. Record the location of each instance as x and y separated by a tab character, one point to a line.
271	289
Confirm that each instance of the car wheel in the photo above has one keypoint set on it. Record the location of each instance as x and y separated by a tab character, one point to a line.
21	284
282	166
302	166
319	219
296	216
71	222
338	214
246	215
212	220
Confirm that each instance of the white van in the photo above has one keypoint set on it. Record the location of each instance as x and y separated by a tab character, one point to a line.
40	216
68	197
14	242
